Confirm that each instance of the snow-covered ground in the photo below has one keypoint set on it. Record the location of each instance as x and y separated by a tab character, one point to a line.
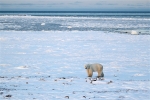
50	65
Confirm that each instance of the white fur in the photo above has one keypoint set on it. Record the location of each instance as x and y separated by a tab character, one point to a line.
90	68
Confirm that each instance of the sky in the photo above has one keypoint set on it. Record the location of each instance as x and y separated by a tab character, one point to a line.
74	5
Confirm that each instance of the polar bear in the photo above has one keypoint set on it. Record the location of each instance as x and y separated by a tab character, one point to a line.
90	68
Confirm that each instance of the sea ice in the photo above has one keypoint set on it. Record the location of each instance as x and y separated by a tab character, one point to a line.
42	23
50	65
133	32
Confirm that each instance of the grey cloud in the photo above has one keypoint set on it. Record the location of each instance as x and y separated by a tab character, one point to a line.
55	4
105	3
17	4
99	4
112	4
76	3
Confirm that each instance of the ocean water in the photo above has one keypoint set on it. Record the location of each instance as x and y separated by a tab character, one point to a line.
117	22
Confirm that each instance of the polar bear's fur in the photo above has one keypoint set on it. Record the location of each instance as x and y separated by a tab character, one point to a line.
90	68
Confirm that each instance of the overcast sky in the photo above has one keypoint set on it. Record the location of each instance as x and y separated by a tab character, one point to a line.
76	5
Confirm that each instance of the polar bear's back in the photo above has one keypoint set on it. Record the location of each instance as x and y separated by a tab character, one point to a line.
96	67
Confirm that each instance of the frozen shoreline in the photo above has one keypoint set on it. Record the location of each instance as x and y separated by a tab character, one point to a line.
49	65
119	24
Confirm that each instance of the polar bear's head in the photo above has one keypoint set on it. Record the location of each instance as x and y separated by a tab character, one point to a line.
87	66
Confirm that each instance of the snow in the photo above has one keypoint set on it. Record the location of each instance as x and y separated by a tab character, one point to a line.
133	32
50	65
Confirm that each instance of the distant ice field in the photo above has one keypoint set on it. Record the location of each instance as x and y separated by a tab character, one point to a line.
117	24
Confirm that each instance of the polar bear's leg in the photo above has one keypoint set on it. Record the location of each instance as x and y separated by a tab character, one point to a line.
99	73
99	70
90	73
87	70
102	75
